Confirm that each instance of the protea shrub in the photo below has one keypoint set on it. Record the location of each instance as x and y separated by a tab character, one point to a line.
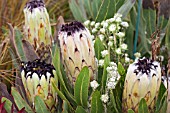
77	49
142	80
37	77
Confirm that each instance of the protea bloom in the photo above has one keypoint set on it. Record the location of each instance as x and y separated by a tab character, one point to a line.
77	49
143	80
37	79
37	25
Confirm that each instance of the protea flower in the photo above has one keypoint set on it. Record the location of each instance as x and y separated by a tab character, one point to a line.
143	80
37	79
37	25
77	49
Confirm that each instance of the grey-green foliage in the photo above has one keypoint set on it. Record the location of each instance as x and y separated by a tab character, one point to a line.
97	10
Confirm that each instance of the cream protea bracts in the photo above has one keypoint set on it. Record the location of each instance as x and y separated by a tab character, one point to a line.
77	49
37	79
143	80
37	25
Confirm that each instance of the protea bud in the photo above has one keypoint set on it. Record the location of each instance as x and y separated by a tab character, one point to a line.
37	25
37	79
77	49
143	80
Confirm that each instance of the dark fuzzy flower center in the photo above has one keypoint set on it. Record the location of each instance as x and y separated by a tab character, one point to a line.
72	27
38	67
144	65
34	4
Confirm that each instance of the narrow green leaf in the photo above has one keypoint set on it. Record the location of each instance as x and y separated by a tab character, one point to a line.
167	38
8	104
20	102
103	10
164	107
95	7
80	109
96	103
121	69
57	63
130	111
112	105
18	42
98	46
81	87
126	7
61	95
104	77
161	97
64	107
40	106
143	108
78	13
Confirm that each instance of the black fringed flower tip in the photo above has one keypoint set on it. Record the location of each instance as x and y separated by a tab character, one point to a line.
72	27
38	67
34	4
144	65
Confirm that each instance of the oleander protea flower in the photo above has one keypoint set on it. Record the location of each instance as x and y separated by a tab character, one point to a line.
37	24
77	49
143	80
37	79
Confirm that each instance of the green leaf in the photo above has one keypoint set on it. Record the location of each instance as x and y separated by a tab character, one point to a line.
95	7
130	111
150	18
81	87
64	107
126	7
129	39
161	97
167	38
80	109
20	102
18	43
96	103
121	69
164	107
8	104
77	10
57	64
61	95
40	106
143	108
104	77
103	11
112	105
98	46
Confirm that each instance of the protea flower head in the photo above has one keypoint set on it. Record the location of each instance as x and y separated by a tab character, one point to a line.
37	79
142	80
77	49
37	24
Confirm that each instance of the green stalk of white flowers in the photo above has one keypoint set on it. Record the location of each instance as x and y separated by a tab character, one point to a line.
37	24
37	79
77	50
142	80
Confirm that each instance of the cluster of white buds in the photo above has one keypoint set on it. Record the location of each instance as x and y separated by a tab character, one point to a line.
127	59
94	84
112	75
137	55
111	32
105	98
